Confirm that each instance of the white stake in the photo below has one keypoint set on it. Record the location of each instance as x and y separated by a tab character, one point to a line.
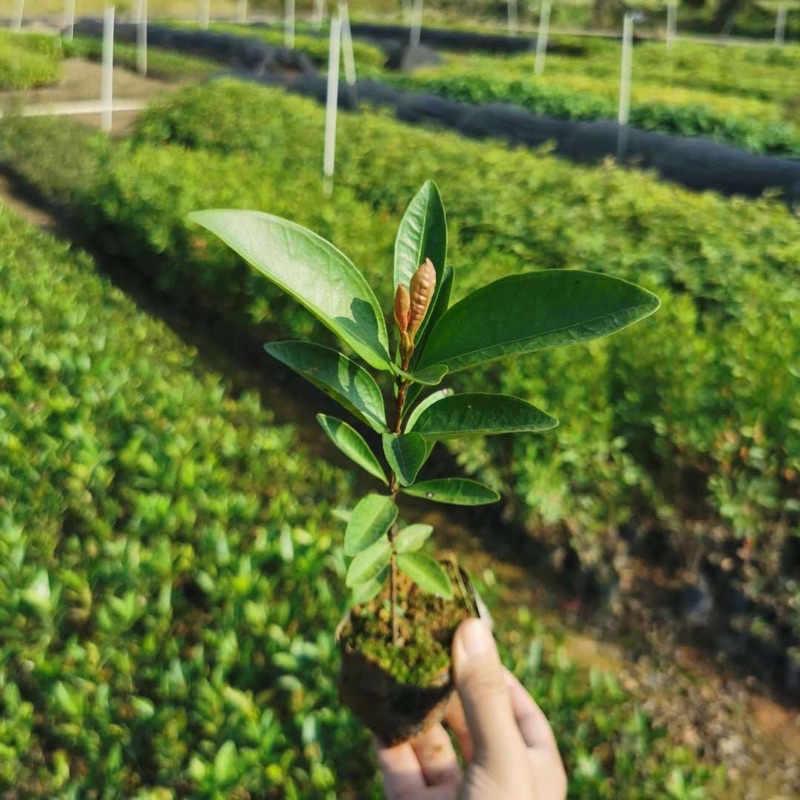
242	16
541	36
205	13
347	46
16	22
672	23
332	106
319	10
141	38
288	25
416	22
69	20
625	85
513	17
780	25
107	83
407	13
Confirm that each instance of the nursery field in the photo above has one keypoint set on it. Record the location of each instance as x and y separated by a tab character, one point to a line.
173	567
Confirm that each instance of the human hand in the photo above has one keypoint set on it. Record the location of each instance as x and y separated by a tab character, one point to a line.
503	735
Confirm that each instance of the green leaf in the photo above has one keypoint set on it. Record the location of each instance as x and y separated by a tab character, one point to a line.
406	453
426	572
534	311
367	564
312	271
225	764
339	377
352	444
422	234
412	537
456	491
366	591
481	415
428	401
430	376
371	519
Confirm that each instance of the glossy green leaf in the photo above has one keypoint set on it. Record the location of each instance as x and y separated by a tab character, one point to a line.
412	537
341	378
426	572
422	234
435	397
367	564
430	376
481	415
405	453
364	592
370	520
534	311
352	444
312	271
456	491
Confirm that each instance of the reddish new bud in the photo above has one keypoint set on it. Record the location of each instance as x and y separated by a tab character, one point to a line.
423	282
402	307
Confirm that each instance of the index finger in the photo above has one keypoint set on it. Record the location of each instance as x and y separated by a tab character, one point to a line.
402	774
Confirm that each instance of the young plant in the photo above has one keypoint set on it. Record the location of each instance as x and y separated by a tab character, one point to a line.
512	316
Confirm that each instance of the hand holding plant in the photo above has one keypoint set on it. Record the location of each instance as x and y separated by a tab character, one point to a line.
515	315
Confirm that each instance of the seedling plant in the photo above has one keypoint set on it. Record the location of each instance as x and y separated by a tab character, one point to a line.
515	315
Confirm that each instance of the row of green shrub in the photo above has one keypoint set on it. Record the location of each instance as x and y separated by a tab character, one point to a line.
28	61
687	425
549	98
169	580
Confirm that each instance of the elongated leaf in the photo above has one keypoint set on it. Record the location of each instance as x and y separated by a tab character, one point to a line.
430	376
412	537
456	491
440	303
338	376
406	453
352	444
481	415
367	564
364	592
422	234
312	271
426	572
534	311
428	401
370	520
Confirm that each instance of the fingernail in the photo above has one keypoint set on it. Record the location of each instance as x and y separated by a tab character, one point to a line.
475	637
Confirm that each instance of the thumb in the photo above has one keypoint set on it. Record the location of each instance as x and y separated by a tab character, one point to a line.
479	679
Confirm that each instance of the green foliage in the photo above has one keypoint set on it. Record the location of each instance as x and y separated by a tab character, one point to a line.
28	61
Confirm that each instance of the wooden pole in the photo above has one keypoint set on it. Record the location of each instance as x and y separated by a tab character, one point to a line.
416	22
347	46
107	80
672	23
331	107
541	37
288	25
69	20
141	38
780	25
625	85
242	15
16	20
205	13
513	17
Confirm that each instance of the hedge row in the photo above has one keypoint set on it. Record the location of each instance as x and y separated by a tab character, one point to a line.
28	61
167	606
687	423
550	98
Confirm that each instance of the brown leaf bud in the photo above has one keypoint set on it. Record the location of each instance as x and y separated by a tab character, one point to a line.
423	282
402	307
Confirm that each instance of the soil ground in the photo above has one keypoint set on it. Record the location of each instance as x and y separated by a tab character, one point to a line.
725	716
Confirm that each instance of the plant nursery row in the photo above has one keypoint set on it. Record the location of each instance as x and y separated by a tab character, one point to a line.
687	430
170	579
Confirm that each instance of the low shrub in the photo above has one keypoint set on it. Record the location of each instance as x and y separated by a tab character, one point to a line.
28	61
